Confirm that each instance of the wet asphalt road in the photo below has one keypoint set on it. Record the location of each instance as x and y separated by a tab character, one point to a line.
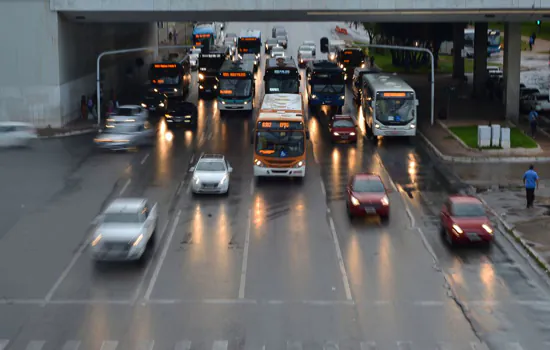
311	279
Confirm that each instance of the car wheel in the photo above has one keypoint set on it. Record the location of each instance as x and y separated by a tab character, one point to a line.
385	218
449	239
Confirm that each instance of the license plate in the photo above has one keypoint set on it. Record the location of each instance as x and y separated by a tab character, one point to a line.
474	237
344	136
370	210
208	90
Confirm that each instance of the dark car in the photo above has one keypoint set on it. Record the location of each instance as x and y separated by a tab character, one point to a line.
182	114
154	101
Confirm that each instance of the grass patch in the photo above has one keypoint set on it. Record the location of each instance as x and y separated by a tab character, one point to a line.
468	135
384	61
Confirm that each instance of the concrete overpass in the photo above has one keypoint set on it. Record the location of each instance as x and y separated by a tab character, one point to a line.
49	47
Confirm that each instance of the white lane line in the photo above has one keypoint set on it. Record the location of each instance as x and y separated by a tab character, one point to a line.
144	159
179	188
444	346
293	345
369	345
220	345
345	278
329	345
513	346
252	184
404	345
162	257
125	187
146	345
183	345
323	189
71	345
242	285
4	344
209	137
109	345
35	345
188	188
69	267
192	158
411	217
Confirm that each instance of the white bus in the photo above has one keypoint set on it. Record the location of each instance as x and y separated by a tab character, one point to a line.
389	106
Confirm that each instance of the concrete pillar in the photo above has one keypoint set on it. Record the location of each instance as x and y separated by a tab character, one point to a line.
480	59
512	63
458	45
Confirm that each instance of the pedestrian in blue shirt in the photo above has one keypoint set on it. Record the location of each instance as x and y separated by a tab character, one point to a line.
533	118
531	182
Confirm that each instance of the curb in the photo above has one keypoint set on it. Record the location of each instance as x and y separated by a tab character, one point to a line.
472	160
70	133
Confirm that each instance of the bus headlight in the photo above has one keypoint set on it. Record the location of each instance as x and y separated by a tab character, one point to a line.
257	162
245	102
342	97
175	90
201	76
161	104
215	87
412	126
299	164
223	102
377	126
143	105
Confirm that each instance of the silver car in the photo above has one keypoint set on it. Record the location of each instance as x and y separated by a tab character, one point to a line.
282	40
211	174
125	136
194	58
125	230
310	44
277	51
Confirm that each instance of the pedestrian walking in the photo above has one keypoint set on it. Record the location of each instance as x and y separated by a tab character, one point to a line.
531	43
371	62
533	121
91	107
531	182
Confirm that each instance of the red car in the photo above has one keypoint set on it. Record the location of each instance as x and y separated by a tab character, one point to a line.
367	195
343	129
464	220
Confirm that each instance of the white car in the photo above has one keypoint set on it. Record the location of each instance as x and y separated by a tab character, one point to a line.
129	114
194	58
277	51
125	230
211	174
310	44
17	134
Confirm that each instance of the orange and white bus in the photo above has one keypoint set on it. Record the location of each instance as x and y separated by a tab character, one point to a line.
280	137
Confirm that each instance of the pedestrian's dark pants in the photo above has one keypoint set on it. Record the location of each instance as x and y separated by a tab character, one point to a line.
533	128
530	195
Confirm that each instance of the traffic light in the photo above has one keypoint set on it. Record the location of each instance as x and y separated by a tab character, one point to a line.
538	23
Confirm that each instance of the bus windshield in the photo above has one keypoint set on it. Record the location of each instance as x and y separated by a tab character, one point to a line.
165	76
493	39
235	87
395	110
327	83
352	58
282	85
280	143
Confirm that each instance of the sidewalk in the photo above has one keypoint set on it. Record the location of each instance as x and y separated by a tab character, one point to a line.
73	128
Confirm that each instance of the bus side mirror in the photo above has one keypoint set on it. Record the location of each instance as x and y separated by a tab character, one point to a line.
324	44
307	135
416	102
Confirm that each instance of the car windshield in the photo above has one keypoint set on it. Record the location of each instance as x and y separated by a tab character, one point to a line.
122	218
278	49
280	143
210	166
468	210
272	41
368	185
282	85
127	111
235	87
305	54
394	111
328	88
343	123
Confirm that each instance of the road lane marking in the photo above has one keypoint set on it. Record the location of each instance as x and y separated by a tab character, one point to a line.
146	345
71	345
411	217
35	345
404	345
209	137
444	346
323	189
189	187
252	186
125	187
220	345
192	158
329	345
513	346
162	257
4	344
69	267
180	186
144	159
242	284
109	345
183	345
293	345
369	345
340	259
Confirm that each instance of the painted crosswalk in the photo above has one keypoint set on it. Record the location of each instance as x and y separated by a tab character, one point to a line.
6	344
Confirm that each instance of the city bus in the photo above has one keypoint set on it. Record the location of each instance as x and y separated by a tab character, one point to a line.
236	86
281	76
326	85
209	68
250	42
494	43
171	78
389	106
280	137
204	36
351	58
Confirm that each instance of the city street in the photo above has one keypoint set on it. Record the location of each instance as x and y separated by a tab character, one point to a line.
275	265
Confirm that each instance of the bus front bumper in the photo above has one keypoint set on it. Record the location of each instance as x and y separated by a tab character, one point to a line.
395	131
334	100
234	105
279	172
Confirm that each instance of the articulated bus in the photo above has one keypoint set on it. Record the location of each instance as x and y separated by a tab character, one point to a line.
280	137
250	41
204	36
171	78
281	76
389	106
236	86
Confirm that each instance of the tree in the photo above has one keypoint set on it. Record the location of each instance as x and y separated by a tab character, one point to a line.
373	30
426	35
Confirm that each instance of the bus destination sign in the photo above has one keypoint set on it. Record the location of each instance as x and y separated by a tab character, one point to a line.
249	39
278	125
234	74
281	71
202	36
212	55
164	65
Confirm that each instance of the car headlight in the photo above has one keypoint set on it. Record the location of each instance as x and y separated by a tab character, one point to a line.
457	229
352	133
215	87
342	97
143	105
223	180
96	240
487	228
168	116
201	76
196	180
345	69
354	201
257	162
377	126
335	134
385	201
138	239
175	90
161	104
